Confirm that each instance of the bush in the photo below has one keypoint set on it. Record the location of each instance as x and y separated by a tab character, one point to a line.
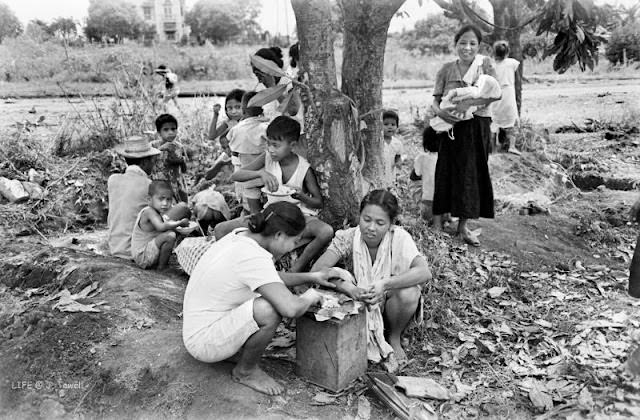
625	38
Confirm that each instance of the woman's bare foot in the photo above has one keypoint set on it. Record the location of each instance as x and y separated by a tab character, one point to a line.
258	380
401	356
469	237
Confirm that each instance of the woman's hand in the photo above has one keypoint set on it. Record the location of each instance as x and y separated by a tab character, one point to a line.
374	294
270	181
300	196
312	296
449	116
321	278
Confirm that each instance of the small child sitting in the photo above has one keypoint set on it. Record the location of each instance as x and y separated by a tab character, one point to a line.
424	168
153	238
247	142
280	166
172	164
233	109
391	146
486	87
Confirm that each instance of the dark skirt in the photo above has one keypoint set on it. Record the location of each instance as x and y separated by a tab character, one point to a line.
462	183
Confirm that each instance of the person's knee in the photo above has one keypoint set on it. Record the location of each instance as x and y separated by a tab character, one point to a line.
166	239
265	313
407	297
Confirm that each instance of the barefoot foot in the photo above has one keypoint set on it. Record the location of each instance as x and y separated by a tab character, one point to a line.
258	380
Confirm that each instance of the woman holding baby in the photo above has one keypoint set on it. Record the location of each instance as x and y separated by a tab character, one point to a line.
462	182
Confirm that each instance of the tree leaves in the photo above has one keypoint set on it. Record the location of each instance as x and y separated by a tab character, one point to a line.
267	66
267	95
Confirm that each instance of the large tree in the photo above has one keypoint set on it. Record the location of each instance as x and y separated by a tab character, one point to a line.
115	19
344	128
10	26
223	20
343	124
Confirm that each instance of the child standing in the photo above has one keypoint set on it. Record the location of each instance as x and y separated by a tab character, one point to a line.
247	142
153	238
173	162
424	168
279	166
233	109
505	111
171	90
392	147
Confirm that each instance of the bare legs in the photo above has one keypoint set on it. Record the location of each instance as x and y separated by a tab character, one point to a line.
247	371
399	309
165	242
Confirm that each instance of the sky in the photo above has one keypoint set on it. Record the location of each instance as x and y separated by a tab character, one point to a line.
276	15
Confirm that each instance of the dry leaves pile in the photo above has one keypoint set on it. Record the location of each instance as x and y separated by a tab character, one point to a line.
513	343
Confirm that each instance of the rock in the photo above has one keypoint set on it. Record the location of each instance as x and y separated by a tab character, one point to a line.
34	190
51	409
35	176
13	190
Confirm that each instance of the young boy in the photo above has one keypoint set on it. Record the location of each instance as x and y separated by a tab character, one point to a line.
424	168
153	238
247	142
281	166
173	162
392	147
171	90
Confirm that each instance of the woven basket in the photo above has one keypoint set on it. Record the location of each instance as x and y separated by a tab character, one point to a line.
190	250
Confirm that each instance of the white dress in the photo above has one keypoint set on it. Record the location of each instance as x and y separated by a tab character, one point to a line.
505	111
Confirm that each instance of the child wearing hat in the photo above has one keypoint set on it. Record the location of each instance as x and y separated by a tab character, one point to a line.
170	84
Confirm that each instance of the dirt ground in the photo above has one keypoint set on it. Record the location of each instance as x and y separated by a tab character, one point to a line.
536	322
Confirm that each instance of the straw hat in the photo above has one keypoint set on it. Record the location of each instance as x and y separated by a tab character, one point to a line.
136	147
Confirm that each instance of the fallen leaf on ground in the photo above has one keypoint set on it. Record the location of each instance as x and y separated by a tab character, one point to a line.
322	398
496	291
585	399
422	388
539	397
364	408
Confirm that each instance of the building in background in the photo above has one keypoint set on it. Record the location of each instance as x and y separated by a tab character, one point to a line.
166	15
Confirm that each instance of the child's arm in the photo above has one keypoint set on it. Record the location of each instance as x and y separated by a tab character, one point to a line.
314	198
152	219
256	170
214	130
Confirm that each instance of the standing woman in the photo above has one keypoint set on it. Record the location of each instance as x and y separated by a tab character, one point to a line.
462	183
235	299
389	273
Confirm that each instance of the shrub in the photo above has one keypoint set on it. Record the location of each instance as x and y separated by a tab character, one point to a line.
624	38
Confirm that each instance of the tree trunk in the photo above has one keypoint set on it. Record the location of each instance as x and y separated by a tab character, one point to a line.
366	24
331	127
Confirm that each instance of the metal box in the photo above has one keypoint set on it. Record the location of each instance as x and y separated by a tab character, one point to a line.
331	353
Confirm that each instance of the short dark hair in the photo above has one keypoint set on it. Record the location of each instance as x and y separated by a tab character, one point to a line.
501	49
430	140
465	29
384	199
277	217
165	119
387	113
250	111
283	127
234	95
159	185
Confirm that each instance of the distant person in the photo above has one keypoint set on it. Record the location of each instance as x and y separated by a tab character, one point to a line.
235	298
462	182
392	147
281	166
171	90
128	193
153	236
247	141
172	165
505	111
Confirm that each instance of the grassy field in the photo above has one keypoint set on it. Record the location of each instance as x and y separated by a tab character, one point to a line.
31	69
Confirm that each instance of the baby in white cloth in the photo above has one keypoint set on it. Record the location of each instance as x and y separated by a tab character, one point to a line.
486	87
